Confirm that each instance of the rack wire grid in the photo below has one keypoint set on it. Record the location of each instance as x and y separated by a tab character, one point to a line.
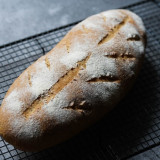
132	127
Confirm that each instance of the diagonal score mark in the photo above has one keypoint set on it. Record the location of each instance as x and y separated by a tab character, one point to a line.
79	106
121	56
68	46
135	37
74	108
29	79
55	89
47	62
113	31
104	79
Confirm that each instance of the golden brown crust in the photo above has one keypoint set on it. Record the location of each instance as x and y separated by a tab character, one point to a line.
76	83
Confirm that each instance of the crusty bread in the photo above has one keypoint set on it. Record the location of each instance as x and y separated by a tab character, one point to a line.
76	83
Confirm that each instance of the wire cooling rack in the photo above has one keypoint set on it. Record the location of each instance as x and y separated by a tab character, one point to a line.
132	127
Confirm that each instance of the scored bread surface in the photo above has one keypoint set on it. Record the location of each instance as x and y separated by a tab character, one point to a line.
76	83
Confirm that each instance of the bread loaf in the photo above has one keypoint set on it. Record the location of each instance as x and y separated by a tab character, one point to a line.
81	79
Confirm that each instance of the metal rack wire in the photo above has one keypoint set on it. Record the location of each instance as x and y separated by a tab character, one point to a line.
132	127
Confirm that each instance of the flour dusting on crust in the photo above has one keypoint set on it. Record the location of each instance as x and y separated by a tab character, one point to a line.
12	102
95	63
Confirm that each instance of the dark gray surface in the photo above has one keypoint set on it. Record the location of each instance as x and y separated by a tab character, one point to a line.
23	18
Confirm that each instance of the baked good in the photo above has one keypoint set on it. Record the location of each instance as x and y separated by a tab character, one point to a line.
81	79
